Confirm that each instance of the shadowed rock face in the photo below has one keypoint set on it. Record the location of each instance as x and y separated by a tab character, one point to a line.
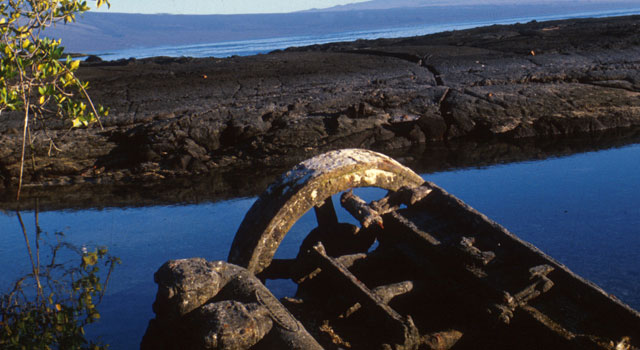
243	182
172	117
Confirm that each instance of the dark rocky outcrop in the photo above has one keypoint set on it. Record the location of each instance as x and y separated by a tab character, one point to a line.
217	305
235	183
172	117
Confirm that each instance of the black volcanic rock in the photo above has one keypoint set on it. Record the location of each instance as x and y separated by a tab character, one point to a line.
173	117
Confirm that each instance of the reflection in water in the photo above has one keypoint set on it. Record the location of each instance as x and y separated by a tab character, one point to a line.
144	238
50	306
581	209
247	182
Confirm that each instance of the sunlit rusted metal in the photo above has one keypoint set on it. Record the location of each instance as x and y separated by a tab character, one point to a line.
305	186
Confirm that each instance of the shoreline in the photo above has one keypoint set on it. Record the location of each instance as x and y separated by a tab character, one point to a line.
218	49
241	183
180	117
118	31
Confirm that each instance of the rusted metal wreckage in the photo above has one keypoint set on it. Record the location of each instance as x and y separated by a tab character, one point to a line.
441	276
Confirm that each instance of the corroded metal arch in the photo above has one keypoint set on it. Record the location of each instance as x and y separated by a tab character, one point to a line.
307	185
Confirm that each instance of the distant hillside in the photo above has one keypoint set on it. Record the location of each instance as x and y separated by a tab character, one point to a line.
101	32
387	4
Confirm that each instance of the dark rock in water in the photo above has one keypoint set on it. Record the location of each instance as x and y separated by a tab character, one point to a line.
225	324
172	117
93	59
433	127
184	285
217	305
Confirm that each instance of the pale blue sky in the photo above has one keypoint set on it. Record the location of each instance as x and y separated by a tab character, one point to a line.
220	6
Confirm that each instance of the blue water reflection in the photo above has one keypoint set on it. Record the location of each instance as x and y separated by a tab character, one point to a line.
144	238
581	209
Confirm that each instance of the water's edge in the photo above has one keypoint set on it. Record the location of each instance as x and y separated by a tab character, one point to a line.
248	182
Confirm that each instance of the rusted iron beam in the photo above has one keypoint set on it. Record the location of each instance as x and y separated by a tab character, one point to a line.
406	233
299	271
360	210
371	213
386	293
473	253
400	330
311	270
405	195
349	260
543	320
547	327
418	245
542	284
444	340
390	291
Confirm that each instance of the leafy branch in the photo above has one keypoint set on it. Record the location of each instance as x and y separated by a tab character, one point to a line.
50	307
35	75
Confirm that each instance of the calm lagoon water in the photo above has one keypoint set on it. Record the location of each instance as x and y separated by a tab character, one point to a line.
581	209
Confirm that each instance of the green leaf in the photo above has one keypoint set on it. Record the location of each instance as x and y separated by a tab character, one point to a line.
29	61
74	65
90	259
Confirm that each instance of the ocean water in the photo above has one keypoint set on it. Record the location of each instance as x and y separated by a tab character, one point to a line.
262	46
580	209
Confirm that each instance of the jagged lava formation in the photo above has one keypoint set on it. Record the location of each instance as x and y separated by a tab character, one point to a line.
174	117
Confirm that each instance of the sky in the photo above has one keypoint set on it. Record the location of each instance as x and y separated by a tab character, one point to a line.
219	6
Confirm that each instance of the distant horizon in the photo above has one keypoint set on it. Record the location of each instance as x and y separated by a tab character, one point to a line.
217	7
144	35
248	7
